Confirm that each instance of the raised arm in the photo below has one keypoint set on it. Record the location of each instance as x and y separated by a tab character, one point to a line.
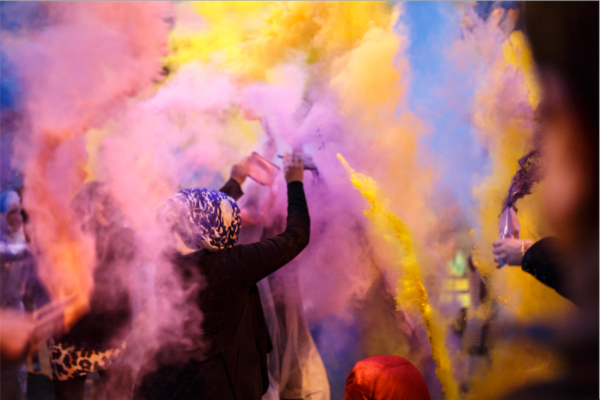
233	187
261	259
258	260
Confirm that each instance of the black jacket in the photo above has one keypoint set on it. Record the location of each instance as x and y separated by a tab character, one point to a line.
233	363
542	261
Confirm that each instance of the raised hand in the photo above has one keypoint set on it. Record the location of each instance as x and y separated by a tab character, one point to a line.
239	172
510	250
293	168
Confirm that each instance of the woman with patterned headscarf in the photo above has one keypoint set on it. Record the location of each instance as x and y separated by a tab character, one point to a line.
225	355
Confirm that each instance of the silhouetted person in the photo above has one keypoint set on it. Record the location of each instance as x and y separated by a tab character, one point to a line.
225	354
564	41
96	343
20	290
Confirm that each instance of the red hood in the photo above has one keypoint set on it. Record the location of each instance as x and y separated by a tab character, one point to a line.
385	378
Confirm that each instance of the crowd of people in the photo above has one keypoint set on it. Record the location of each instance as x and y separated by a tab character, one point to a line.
226	356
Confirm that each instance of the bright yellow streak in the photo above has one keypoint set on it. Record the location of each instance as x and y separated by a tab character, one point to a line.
412	294
517	53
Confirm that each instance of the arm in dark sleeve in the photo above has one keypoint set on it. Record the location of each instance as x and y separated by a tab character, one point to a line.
258	260
232	189
542	262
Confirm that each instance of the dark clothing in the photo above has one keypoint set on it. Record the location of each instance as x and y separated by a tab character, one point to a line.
191	380
114	384
232	189
107	323
233	361
576	339
542	261
110	315
558	390
71	389
13	382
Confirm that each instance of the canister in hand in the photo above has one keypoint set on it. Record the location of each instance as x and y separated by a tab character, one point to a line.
508	226
261	170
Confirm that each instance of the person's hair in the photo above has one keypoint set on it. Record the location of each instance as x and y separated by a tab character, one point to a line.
564	39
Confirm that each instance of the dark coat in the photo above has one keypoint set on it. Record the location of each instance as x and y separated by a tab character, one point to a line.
233	364
576	340
543	262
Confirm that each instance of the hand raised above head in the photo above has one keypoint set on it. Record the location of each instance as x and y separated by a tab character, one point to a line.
239	172
293	168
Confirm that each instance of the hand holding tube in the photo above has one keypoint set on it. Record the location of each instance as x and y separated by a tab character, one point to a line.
510	250
293	168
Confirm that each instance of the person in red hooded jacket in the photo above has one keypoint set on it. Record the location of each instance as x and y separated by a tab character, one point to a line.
385	378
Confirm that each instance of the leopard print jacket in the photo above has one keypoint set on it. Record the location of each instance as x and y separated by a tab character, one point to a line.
69	362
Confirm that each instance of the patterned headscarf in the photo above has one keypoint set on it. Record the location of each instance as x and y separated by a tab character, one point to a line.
203	219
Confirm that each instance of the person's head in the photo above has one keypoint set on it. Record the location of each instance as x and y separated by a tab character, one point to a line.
94	207
564	42
10	208
201	219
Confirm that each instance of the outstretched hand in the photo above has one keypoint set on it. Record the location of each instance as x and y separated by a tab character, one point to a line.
293	168
16	332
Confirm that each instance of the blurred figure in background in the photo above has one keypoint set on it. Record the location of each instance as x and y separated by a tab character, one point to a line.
16	183
96	342
20	288
564	41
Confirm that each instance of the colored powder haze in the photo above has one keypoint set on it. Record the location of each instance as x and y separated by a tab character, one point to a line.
432	102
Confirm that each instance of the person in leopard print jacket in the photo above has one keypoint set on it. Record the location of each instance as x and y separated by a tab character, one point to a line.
96	343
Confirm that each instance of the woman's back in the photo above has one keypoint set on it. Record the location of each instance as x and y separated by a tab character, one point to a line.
223	353
223	286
